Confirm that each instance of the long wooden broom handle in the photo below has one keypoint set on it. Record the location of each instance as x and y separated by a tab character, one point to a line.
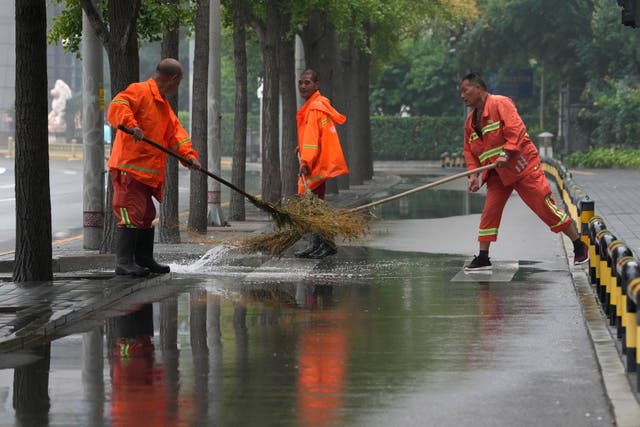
424	187
185	160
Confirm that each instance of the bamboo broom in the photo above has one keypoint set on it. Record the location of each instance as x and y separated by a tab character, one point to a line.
312	215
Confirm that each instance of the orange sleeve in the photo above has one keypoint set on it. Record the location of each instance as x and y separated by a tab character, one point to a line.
309	145
122	108
178	139
469	157
513	127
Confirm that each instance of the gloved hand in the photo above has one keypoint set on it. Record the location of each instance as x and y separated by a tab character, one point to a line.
137	133
194	163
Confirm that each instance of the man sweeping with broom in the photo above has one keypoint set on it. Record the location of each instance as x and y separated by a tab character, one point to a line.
137	169
321	156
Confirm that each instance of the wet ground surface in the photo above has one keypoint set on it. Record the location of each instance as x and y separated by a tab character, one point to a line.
370	337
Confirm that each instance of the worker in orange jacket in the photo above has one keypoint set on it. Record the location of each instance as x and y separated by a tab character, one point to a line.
495	133
321	156
137	168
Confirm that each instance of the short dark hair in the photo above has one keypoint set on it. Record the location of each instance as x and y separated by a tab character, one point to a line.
475	79
313	73
169	69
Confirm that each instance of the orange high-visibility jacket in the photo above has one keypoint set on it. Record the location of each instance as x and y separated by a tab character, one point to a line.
502	129
318	142
141	105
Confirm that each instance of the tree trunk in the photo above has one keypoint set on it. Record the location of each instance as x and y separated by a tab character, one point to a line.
33	200
320	47
169	221
31	386
239	161
340	100
120	40
199	110
363	147
271	182
286	52
358	125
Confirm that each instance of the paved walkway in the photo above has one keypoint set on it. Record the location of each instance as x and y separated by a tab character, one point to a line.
616	193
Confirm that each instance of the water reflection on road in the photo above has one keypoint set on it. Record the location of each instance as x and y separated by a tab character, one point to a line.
368	337
300	350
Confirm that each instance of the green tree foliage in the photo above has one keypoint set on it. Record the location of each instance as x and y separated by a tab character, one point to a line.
152	22
516	31
422	77
612	117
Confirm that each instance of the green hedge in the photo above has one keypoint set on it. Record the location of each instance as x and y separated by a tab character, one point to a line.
418	138
415	138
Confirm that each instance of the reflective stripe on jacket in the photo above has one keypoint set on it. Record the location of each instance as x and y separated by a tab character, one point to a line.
318	142
141	105
501	129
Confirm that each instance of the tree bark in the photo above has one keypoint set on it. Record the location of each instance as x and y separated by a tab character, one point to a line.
341	100
120	40
358	129
169	221
271	182
290	165
31	387
320	47
199	110
239	161
32	189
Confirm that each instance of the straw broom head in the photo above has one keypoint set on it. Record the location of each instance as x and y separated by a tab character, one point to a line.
307	214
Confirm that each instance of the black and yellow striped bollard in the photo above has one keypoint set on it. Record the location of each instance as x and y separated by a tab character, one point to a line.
596	224
604	238
628	271
633	291
617	250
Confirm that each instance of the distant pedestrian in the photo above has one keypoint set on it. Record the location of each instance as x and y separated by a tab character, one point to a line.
495	133
321	156
137	168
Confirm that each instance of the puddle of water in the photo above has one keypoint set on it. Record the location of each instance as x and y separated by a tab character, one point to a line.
286	333
431	204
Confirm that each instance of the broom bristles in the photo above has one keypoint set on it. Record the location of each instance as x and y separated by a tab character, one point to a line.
306	214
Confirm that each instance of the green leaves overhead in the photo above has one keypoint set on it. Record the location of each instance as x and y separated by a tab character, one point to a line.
66	28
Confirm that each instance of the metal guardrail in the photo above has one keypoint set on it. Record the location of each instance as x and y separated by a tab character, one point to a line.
614	271
71	150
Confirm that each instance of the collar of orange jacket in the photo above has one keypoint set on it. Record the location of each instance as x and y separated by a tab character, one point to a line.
321	103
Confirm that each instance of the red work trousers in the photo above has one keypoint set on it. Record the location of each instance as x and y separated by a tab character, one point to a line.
320	190
534	191
132	203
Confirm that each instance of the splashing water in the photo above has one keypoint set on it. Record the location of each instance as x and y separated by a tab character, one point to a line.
211	257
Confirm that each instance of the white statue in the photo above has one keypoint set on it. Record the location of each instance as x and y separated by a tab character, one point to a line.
61	93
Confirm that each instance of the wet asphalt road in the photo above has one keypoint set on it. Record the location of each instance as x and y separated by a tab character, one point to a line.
387	332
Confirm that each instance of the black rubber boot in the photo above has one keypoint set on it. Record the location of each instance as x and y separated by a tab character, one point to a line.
325	249
125	249
144	252
316	241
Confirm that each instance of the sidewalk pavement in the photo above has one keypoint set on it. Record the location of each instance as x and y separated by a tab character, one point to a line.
617	200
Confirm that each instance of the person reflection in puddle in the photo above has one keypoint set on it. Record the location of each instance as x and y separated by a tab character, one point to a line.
322	360
138	389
